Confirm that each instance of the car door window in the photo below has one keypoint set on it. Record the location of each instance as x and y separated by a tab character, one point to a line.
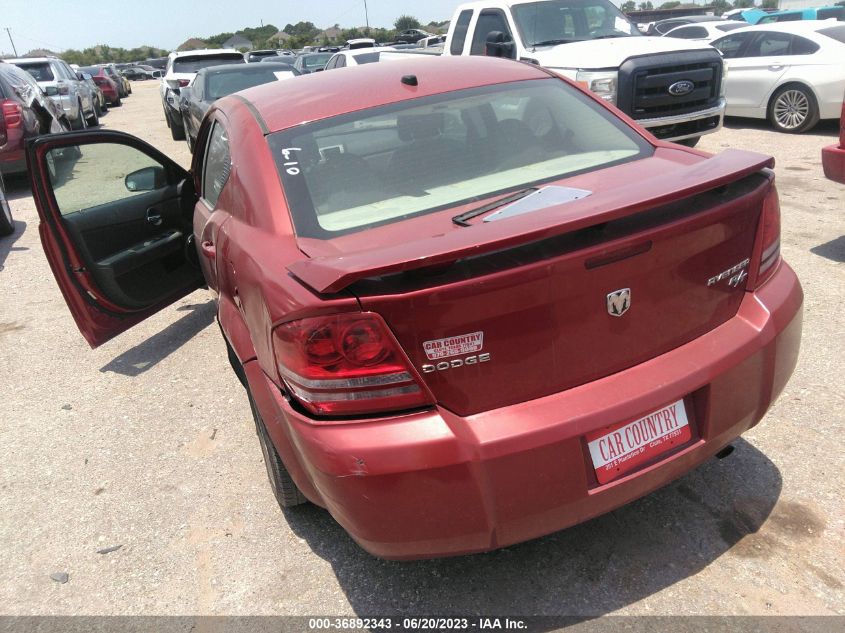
732	46
218	164
340	62
802	46
459	35
96	176
489	20
769	44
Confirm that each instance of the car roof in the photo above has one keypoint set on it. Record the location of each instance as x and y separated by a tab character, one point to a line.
799	27
24	60
323	95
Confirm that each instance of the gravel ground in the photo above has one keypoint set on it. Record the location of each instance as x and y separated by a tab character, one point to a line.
147	444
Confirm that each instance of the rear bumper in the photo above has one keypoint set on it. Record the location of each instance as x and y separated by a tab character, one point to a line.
434	484
833	161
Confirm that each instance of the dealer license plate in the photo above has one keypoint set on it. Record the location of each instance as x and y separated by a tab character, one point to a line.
622	449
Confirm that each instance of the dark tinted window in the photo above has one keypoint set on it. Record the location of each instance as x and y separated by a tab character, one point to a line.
488	21
835	32
732	45
193	64
220	84
91	70
689	33
803	46
367	58
459	35
665	27
831	12
730	26
767	44
41	71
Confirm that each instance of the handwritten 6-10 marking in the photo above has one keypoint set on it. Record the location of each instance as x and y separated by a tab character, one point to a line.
291	166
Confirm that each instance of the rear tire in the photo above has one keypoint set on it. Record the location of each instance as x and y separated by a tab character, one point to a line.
7	224
117	102
79	123
793	109
94	119
284	489
177	131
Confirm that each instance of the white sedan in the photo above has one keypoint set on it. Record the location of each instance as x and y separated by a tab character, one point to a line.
705	31
357	56
791	73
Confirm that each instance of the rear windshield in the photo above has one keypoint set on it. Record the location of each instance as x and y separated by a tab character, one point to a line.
41	71
194	64
317	60
835	32
730	26
91	70
831	12
367	58
387	164
225	83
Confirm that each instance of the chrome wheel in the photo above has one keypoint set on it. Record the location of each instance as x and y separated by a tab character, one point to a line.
791	109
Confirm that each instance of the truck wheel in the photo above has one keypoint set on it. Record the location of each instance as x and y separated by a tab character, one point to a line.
793	109
284	489
689	142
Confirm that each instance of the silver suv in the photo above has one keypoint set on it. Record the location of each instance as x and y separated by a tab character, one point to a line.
62	85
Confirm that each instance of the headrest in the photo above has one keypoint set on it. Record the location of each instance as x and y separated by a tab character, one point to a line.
417	127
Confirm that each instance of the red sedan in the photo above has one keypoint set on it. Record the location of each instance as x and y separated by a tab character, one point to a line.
105	83
833	156
471	304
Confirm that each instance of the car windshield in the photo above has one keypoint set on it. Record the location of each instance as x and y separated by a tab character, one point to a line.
564	21
316	60
220	84
386	164
195	63
40	70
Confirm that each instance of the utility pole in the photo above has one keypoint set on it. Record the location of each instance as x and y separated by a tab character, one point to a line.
366	17
9	33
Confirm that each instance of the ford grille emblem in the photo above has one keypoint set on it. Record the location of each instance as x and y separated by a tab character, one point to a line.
618	302
681	88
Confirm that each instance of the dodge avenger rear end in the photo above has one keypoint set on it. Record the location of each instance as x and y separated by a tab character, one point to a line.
471	304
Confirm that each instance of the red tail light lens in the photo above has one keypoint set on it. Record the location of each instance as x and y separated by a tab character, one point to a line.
346	364
12	113
183	82
769	236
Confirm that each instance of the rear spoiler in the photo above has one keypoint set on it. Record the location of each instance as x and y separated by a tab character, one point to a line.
333	274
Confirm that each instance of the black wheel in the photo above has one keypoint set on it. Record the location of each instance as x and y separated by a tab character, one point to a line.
79	123
94	119
117	103
689	142
7	224
284	489
177	130
793	109
190	141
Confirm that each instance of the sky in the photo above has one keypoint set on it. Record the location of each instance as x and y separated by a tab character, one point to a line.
62	24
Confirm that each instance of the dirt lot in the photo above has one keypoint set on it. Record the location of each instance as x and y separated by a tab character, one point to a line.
147	443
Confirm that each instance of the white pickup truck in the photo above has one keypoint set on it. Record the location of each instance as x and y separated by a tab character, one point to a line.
673	87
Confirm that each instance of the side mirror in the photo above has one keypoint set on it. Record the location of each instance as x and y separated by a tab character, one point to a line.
146	179
498	45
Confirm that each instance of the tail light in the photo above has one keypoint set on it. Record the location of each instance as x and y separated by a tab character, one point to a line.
346	364
769	233
11	116
64	89
183	82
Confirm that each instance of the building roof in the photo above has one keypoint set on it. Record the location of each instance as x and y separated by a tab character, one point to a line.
192	44
282	36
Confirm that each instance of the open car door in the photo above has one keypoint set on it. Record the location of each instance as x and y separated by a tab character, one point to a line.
115	226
